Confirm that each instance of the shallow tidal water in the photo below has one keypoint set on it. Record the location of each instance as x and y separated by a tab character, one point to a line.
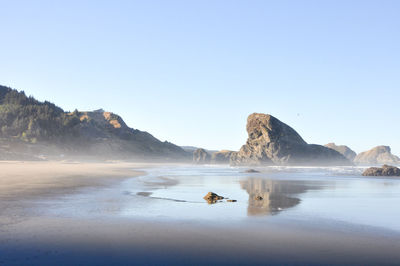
312	196
307	216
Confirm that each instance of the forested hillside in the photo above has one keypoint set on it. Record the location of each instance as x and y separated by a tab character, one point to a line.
31	127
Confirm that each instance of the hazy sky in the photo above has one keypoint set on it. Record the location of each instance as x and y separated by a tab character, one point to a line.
190	72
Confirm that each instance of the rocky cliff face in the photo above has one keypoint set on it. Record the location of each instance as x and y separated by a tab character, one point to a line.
105	131
221	157
376	156
344	150
200	156
272	142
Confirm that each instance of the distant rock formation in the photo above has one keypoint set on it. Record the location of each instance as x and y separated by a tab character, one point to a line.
191	149
385	170
344	150
377	155
272	142
200	156
221	157
251	171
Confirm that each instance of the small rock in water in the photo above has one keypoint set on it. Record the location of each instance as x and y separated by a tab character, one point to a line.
144	194
251	171
258	198
231	200
212	197
385	170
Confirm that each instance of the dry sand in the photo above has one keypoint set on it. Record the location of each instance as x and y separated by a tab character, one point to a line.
25	179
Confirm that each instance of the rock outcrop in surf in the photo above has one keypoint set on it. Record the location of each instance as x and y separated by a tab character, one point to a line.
376	156
272	142
385	170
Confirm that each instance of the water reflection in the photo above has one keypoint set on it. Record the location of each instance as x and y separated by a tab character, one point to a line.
271	196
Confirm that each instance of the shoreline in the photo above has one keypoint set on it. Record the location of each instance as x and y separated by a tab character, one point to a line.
25	179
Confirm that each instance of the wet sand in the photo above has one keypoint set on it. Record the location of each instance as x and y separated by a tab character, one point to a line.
31	236
63	241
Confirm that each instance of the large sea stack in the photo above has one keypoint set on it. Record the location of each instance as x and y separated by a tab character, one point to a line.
272	142
377	156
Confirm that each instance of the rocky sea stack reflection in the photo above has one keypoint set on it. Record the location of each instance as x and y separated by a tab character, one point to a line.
267	197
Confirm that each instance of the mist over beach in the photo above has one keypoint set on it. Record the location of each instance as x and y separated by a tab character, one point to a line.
199	133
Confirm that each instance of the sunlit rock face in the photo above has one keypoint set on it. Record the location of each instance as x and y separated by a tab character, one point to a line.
272	142
269	196
344	150
200	156
377	155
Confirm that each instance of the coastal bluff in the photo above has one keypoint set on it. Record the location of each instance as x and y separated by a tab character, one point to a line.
201	156
376	156
35	130
343	149
272	142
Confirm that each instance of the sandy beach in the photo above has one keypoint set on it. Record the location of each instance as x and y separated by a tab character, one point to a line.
20	179
34	232
24	182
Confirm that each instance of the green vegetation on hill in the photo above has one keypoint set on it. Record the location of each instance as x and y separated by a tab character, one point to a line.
42	127
28	119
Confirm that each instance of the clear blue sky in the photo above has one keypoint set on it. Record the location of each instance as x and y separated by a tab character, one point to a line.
192	71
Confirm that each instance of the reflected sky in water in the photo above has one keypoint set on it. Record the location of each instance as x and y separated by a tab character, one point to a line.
309	195
295	194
